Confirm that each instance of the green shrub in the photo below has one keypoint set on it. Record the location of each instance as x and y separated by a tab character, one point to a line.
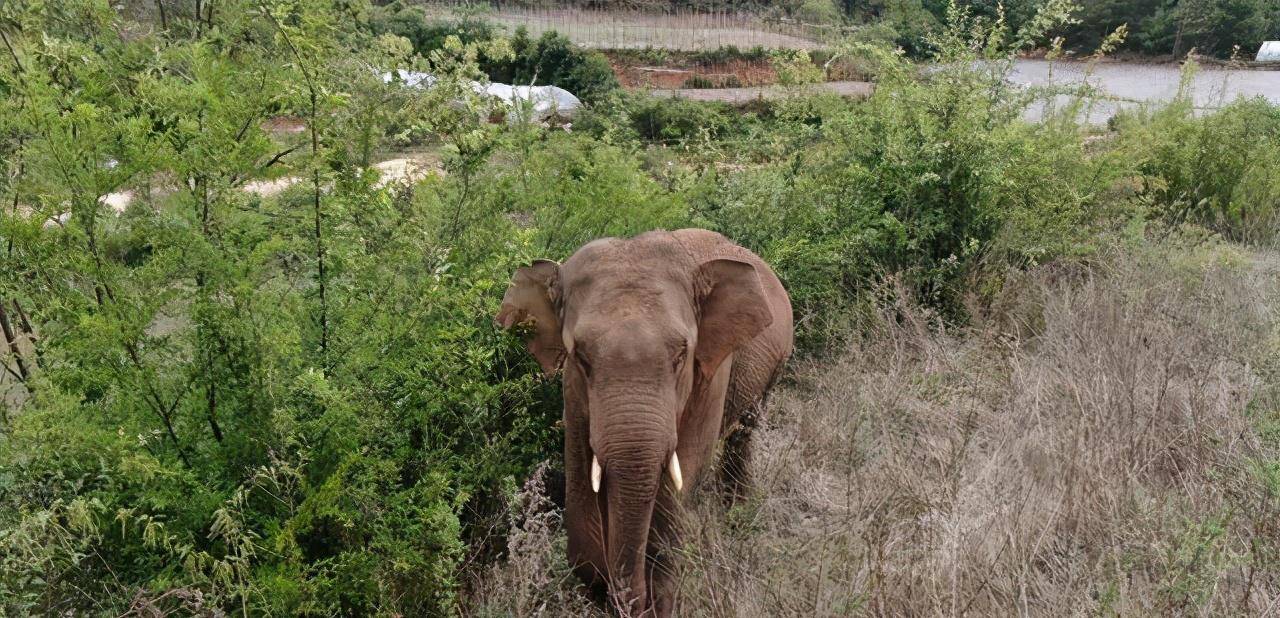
423	31
1220	170
292	405
926	180
368	542
795	67
699	81
659	119
574	189
712	81
729	53
818	12
913	25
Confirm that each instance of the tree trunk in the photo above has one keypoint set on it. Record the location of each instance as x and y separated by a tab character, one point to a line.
27	331
211	398
12	341
319	231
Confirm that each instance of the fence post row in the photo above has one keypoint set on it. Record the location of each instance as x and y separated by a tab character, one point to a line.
663	26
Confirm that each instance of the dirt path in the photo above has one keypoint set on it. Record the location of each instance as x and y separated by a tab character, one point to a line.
737	96
399	170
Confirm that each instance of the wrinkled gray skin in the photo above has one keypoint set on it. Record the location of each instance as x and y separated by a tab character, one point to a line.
668	341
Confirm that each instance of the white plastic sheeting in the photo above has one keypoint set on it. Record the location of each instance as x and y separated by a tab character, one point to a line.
542	101
414	79
1269	52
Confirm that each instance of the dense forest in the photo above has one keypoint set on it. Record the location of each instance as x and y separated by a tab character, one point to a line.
1155	27
219	400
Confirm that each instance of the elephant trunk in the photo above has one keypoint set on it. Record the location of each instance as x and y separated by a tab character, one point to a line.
634	451
631	502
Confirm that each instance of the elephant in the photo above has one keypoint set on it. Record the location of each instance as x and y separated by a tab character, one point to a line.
667	344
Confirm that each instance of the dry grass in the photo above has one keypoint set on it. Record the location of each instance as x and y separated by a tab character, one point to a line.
534	579
1104	442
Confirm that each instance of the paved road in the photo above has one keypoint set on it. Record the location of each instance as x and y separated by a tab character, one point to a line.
1122	86
1131	85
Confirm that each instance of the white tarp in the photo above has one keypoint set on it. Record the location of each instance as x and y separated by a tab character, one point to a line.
542	101
1269	52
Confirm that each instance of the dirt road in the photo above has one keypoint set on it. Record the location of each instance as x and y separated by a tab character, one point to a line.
400	170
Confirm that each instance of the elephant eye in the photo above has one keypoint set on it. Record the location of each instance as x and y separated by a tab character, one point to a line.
679	359
582	362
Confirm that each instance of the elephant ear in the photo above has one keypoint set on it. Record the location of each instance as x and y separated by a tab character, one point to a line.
531	299
732	311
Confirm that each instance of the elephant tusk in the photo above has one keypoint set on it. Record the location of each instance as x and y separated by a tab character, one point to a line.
596	473
674	470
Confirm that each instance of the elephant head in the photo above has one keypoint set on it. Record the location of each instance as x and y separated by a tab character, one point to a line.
638	327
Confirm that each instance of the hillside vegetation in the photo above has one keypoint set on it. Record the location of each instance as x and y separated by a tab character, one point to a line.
1037	357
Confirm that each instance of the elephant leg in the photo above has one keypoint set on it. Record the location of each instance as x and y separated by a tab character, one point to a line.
735	466
745	409
755	372
663	588
735	463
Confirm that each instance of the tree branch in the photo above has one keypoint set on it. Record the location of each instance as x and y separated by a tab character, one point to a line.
12	341
12	52
315	180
